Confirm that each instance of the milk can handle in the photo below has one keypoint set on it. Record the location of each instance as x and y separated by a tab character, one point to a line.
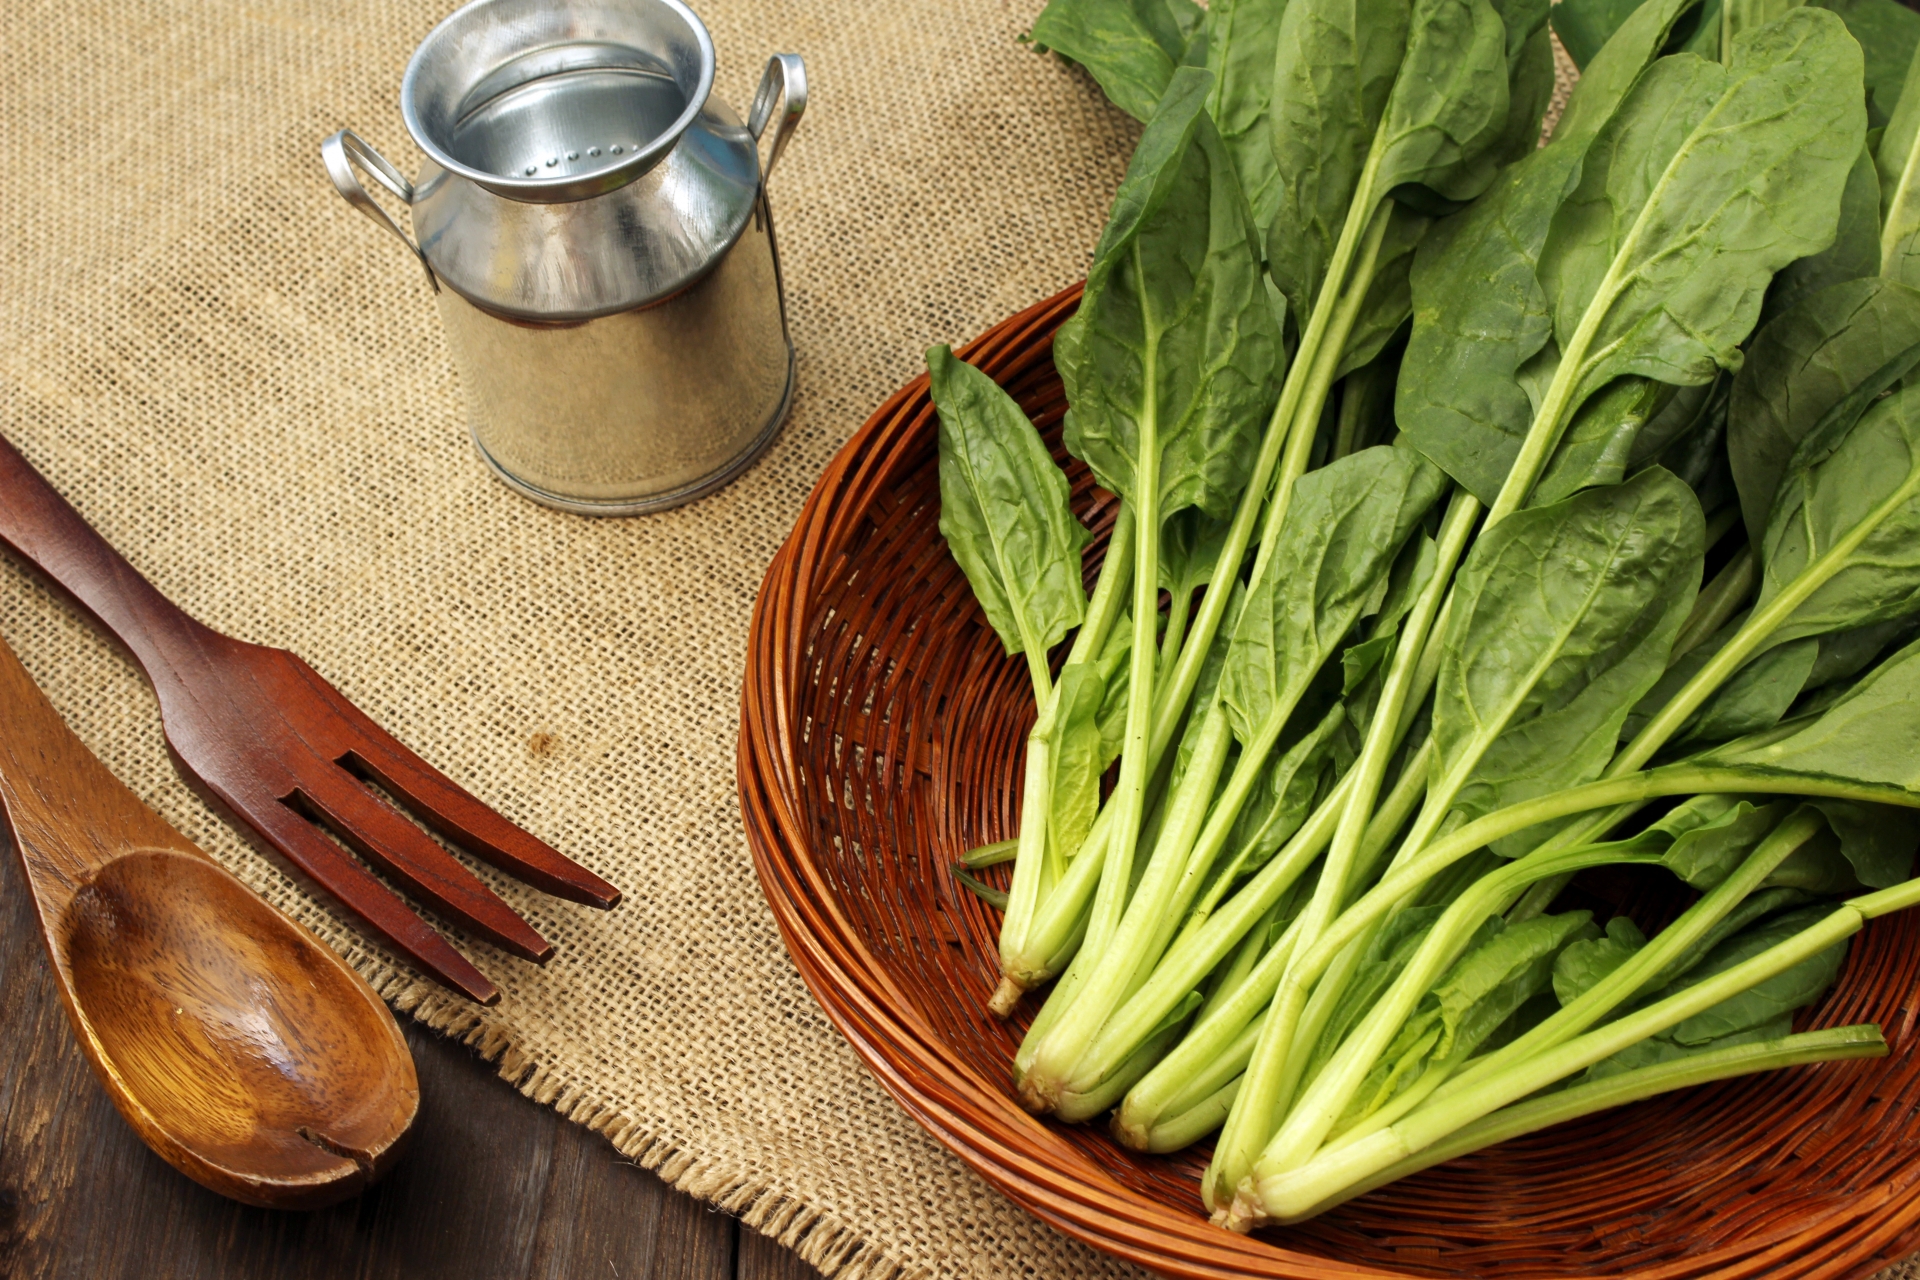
785	81
339	153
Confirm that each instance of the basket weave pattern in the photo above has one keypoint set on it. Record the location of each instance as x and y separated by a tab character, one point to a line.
882	735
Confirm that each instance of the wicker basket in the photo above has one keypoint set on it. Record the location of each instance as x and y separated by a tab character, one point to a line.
882	736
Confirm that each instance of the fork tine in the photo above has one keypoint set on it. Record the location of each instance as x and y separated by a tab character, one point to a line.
380	835
462	818
362	894
456	813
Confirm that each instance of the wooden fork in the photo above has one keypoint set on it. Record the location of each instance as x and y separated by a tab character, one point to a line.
281	748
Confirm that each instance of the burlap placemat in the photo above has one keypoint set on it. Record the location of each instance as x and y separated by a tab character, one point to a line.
244	386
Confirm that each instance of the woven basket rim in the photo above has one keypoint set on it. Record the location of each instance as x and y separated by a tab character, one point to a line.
975	1117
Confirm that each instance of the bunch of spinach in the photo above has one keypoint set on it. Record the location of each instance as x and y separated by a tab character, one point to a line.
1316	910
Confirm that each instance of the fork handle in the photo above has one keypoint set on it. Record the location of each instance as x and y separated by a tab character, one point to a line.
42	526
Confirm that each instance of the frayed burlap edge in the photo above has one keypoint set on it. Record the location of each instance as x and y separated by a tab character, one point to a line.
836	1250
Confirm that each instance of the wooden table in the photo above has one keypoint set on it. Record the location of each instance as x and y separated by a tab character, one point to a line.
495	1186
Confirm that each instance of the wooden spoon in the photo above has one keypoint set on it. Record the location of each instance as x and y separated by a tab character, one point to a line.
245	1053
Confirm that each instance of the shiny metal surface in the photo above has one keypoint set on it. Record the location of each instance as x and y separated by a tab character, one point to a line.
585	258
340	153
617	318
783	83
637	411
544	101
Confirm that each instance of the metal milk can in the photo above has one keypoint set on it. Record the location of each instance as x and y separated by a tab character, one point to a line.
594	224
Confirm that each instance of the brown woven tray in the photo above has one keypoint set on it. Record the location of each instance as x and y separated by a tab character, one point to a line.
881	737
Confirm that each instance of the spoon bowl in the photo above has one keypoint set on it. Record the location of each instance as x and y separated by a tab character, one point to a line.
244	1052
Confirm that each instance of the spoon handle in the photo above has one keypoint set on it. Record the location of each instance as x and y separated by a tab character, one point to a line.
70	815
43	527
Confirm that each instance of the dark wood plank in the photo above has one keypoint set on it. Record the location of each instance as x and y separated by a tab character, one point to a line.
495	1187
762	1259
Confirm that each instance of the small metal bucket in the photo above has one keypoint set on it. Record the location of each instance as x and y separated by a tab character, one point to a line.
595	227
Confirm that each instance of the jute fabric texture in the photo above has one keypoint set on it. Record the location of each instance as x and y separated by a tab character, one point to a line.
243	384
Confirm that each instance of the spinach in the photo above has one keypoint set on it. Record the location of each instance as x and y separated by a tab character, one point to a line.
1898	162
1757	695
1889	35
1167	364
1603	438
1855	252
1335	68
1777	997
1386	954
1587	960
1805	364
1077	752
1878	840
1004	514
1131	47
1172	351
1190	543
1740	166
1585	26
1388	302
1342	533
1479	311
1869	736
1568	333
1562	618
1482	990
1856	498
1242	44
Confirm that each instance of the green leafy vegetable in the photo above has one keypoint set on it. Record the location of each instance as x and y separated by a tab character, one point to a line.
1004	513
1131	47
1803	366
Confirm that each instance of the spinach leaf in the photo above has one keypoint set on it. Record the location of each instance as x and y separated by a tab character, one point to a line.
1869	482
1412	569
1480	992
1389	299
1712	836
1530	79
1879	840
1845	654
1585	26
1004	512
1076	756
1659	1049
1817	868
1870	736
1688	414
1479	312
1242	45
1898	160
1855	252
1780	995
1739	16
1602	439
1174	328
1587	960
1280	803
1190	544
1757	695
1860	334
1889	34
1387	953
1449	105
1740	167
1334	69
1131	47
1342	531
1562	617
